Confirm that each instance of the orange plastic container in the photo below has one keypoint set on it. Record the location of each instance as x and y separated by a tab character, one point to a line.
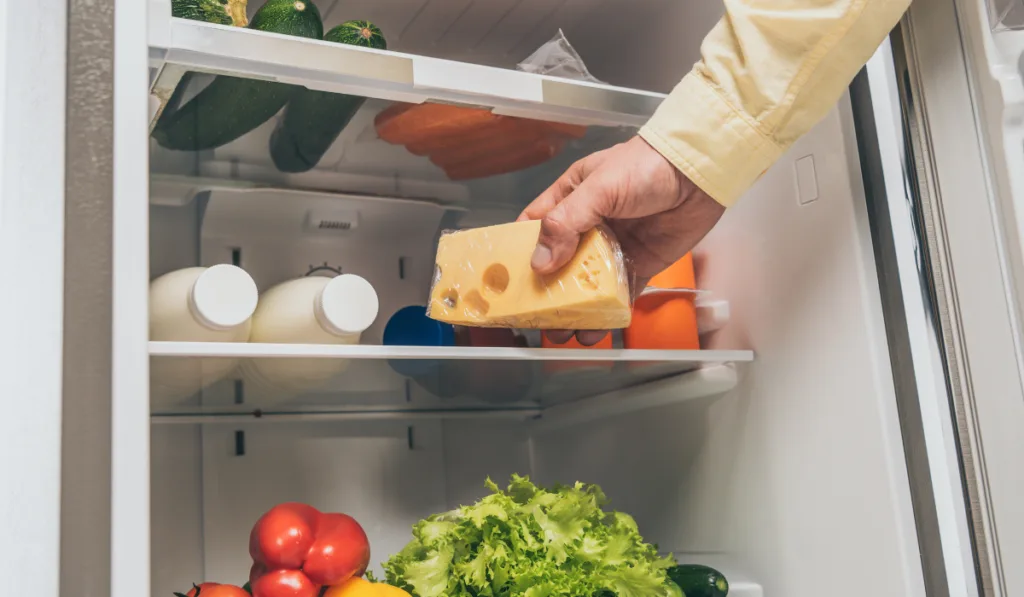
666	321
558	366
468	143
678	275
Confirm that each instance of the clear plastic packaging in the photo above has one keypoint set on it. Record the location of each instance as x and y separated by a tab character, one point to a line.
483	278
557	58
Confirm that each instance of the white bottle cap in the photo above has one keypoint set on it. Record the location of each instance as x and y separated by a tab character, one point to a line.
347	305
223	297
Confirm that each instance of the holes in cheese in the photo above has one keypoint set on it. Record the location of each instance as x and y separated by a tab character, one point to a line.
450	298
476	304
496	278
483	279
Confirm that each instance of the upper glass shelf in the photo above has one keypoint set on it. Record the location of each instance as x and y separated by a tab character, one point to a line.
267	380
518	130
358	160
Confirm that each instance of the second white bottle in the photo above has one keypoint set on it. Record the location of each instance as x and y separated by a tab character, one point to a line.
309	310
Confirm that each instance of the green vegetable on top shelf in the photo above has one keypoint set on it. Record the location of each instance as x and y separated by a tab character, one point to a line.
529	541
230	107
313	120
357	33
699	581
221	12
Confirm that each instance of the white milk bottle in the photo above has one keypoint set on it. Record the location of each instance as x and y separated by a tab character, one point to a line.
198	304
309	310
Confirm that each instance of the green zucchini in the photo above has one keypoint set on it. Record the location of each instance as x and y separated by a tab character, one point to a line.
230	107
314	119
221	12
358	33
699	581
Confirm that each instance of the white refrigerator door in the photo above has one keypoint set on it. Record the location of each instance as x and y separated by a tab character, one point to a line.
32	75
956	84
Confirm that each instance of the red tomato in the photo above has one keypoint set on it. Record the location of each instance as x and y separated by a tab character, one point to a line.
212	589
341	550
329	548
281	583
283	536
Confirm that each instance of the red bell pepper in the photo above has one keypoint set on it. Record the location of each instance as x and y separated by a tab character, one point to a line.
296	549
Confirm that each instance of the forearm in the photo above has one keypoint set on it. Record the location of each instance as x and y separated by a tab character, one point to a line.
770	70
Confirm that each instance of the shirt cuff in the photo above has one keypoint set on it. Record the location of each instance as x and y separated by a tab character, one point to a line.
715	145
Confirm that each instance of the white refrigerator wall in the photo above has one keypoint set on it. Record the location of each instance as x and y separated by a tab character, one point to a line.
794	479
797	476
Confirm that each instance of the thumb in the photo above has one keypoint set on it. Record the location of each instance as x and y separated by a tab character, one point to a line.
561	227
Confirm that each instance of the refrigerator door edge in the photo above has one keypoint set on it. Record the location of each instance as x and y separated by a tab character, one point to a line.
964	264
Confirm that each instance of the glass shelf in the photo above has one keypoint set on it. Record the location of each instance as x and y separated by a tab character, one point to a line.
189	53
360	162
286	380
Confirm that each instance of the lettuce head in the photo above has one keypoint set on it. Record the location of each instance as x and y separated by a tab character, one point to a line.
531	542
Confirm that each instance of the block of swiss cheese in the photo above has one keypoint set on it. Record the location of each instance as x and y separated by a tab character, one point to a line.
483	279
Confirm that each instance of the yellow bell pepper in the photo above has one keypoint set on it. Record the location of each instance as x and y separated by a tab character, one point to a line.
386	590
360	587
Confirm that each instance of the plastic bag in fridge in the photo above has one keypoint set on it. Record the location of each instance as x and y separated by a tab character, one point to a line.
557	58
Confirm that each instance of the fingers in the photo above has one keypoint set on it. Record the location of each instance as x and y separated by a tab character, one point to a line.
554	194
559	336
590	337
584	337
551	197
571	206
561	228
563	187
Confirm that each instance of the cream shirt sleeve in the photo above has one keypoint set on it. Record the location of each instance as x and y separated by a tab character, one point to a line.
770	70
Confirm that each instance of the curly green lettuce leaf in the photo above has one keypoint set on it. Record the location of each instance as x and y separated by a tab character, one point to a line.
527	541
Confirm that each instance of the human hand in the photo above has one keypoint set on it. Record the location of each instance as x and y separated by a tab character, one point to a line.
655	211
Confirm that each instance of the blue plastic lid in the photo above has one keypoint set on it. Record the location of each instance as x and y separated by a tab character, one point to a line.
410	326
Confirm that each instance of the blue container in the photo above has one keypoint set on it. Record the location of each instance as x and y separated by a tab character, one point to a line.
410	326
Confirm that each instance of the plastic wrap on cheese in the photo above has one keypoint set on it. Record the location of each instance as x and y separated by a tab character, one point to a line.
483	278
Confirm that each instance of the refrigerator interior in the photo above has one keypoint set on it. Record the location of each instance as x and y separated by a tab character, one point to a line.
786	471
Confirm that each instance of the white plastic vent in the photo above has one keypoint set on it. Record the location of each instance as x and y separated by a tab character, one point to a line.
332	220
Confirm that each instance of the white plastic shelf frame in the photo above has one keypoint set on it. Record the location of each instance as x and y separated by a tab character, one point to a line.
179	45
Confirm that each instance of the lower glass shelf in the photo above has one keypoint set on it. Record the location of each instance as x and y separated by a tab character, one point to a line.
192	381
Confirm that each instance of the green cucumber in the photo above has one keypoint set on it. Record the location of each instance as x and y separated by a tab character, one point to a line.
699	581
314	119
221	12
230	107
